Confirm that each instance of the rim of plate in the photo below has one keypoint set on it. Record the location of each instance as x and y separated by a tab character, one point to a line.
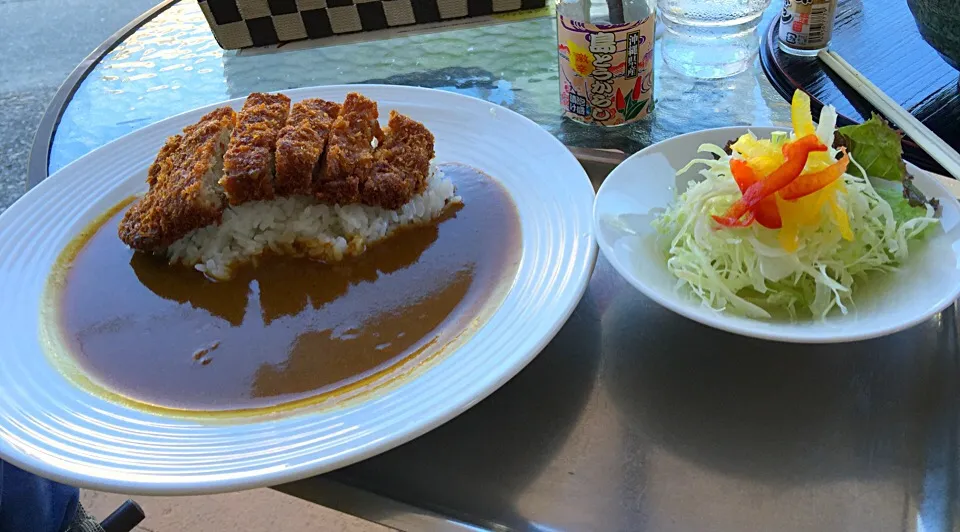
719	320
59	431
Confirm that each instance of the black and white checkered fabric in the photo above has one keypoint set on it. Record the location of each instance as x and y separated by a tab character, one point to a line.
244	23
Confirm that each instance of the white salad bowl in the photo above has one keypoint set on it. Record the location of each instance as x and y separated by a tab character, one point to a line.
646	183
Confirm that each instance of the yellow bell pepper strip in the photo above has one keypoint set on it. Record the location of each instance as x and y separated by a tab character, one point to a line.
809	183
840	216
796	154
766	212
794	214
800	115
802	126
806	211
799	213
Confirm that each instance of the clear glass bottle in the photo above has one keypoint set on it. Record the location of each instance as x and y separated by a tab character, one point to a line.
710	12
605	50
710	39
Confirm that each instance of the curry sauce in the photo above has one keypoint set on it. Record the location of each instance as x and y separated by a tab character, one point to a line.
283	329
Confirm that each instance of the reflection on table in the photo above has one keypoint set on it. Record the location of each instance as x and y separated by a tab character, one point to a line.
172	65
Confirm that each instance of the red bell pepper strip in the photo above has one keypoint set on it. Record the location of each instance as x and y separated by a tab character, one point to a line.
742	174
795	155
744	221
766	212
810	183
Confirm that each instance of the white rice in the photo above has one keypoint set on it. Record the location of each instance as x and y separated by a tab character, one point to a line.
299	225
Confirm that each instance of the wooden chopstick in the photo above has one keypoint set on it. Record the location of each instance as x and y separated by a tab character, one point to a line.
942	152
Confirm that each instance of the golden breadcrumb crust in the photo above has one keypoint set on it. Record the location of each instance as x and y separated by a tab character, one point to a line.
349	158
301	144
248	164
402	164
177	202
317	147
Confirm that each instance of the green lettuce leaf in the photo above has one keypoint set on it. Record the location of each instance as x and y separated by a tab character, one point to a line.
902	210
906	208
876	146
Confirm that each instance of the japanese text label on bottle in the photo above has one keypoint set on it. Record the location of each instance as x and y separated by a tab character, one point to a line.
807	24
606	71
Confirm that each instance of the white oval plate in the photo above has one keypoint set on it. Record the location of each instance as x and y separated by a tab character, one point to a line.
644	184
50	427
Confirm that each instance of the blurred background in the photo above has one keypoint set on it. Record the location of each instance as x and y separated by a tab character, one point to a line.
41	42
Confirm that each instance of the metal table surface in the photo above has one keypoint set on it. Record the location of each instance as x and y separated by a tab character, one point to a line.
636	419
632	418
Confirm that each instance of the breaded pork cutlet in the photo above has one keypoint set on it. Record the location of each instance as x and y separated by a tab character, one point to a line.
248	165
402	164
183	193
349	158
301	145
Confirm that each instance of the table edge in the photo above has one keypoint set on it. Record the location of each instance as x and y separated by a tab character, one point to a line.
343	497
38	163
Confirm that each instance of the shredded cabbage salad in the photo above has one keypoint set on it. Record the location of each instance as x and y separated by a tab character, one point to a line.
849	230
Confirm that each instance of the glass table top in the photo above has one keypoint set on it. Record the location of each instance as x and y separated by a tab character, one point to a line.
695	429
172	64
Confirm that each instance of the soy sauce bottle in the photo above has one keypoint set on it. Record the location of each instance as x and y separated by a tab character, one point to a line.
806	26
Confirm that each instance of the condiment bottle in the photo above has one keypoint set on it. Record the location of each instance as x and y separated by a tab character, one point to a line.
606	60
806	26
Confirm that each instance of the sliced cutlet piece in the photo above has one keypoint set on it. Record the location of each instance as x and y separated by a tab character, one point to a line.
349	157
301	145
248	165
402	164
183	193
